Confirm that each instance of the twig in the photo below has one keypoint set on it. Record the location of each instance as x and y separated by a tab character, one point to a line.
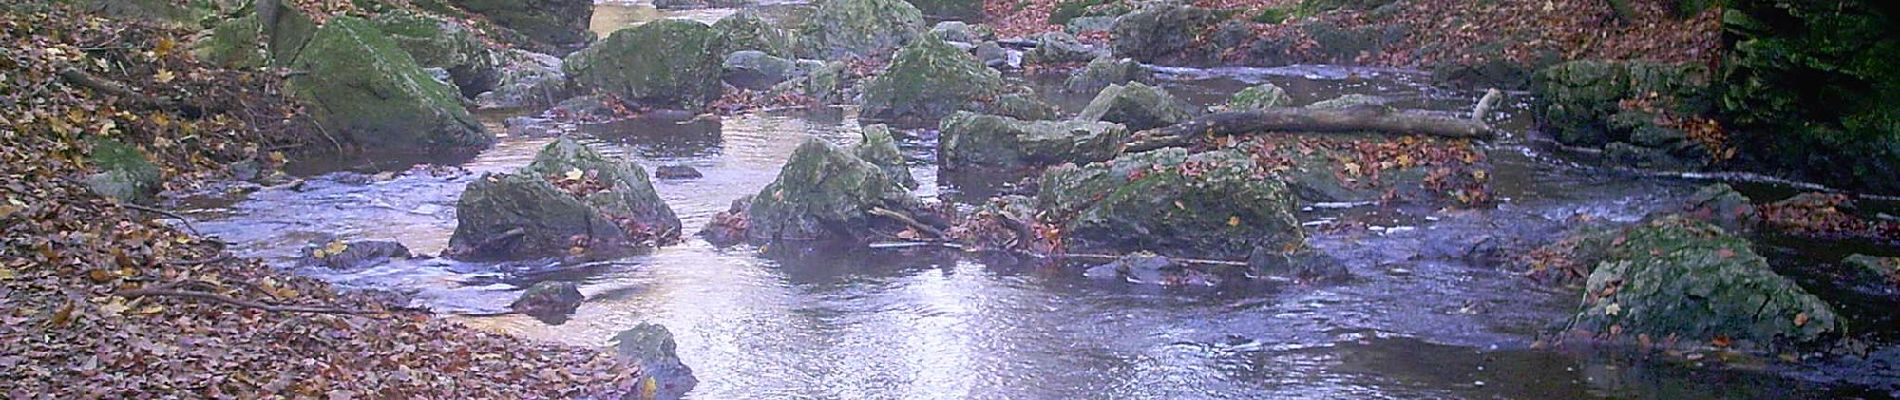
1112	258
214	297
326	133
173	215
1485	104
94	82
907	220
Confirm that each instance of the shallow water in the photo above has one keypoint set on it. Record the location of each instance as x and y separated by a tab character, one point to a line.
1418	320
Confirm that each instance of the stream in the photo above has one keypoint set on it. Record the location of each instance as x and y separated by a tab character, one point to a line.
1419	318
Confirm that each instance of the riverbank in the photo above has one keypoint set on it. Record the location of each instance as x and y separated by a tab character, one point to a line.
110	299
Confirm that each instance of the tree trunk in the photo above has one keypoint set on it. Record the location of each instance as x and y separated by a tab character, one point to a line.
1360	119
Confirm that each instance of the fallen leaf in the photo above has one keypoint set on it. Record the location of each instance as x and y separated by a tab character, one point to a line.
1801	319
1233	221
1613	309
163	76
574	175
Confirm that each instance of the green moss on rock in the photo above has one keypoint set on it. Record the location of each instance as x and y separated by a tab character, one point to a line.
602	207
1162	33
1577	100
927	80
123	172
969	139
746	31
1206	205
824	193
235	43
665	63
438	43
879	147
1104	71
847	28
1137	106
1885	269
561	24
360	85
1258	97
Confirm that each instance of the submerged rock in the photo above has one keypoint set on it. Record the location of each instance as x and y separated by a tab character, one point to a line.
569	201
1209	205
1059	48
1103	72
1258	97
879	147
561	24
862	28
746	31
928	80
361	85
651	347
665	63
123	172
550	302
353	255
1136	105
1675	276
969	139
825	193
1151	269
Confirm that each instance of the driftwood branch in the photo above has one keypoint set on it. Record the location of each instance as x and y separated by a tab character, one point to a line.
912	222
218	298
173	215
1359	119
111	88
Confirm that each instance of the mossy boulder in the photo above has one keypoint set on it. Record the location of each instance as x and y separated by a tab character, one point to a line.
1683	278
1021	104
1059	48
927	80
1579	102
969	139
950	9
651	347
879	147
1885	270
826	83
286	30
526	79
560	24
746	31
362	86
1207	205
1136	105
123	172
439	43
959	31
825	194
1258	97
664	63
570	200
862	28
1104	71
1163	33
234	43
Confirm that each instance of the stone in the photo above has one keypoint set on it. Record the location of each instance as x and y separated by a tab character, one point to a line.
756	70
1059	48
1886	270
747	31
439	43
958	31
1258	97
862	28
667	63
1152	269
879	147
727	228
560	24
825	194
1349	101
1162	33
969	139
1208	205
362	87
569	201
1102	72
527	79
651	347
677	172
1577	100
927	80
1722	206
1023	104
1137	106
353	255
1678	277
1086	25
992	55
123	172
950	9
235	43
550	302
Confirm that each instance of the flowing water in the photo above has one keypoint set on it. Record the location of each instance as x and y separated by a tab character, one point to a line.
1418	320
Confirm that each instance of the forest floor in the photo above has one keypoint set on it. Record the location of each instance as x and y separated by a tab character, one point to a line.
104	300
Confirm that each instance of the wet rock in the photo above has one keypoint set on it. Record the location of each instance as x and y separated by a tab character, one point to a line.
1086	25
927	80
123	172
1349	101
728	227
1163	33
1103	72
353	255
879	147
958	31
1207	205
825	193
651	347
1151	269
698	4
825	83
585	108
862	28
755	70
361	86
1059	48
992	55
1023	105
674	172
1885	269
560	24
234	43
1258	97
1675	276
1305	265
526	79
950	9
1577	100
1721	205
667	63
438	43
570	201
969	139
1137	106
550	302
746	31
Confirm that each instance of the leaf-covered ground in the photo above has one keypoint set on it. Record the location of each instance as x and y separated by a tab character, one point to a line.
98	300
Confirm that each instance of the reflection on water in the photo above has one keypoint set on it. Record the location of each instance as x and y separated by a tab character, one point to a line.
1418	320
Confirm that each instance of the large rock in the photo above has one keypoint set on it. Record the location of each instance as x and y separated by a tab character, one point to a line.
438	43
1102	72
561	24
958	31
569	201
664	63
1022	103
551	302
123	172
969	139
1207	205
651	347
927	80
950	9
1579	102
746	31
1163	33
234	43
1258	97
1137	106
825	193
879	147
862	28
756	70
342	255
360	85
1059	48
526	79
1683	278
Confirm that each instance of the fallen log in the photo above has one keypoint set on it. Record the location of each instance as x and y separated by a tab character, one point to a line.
1358	119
